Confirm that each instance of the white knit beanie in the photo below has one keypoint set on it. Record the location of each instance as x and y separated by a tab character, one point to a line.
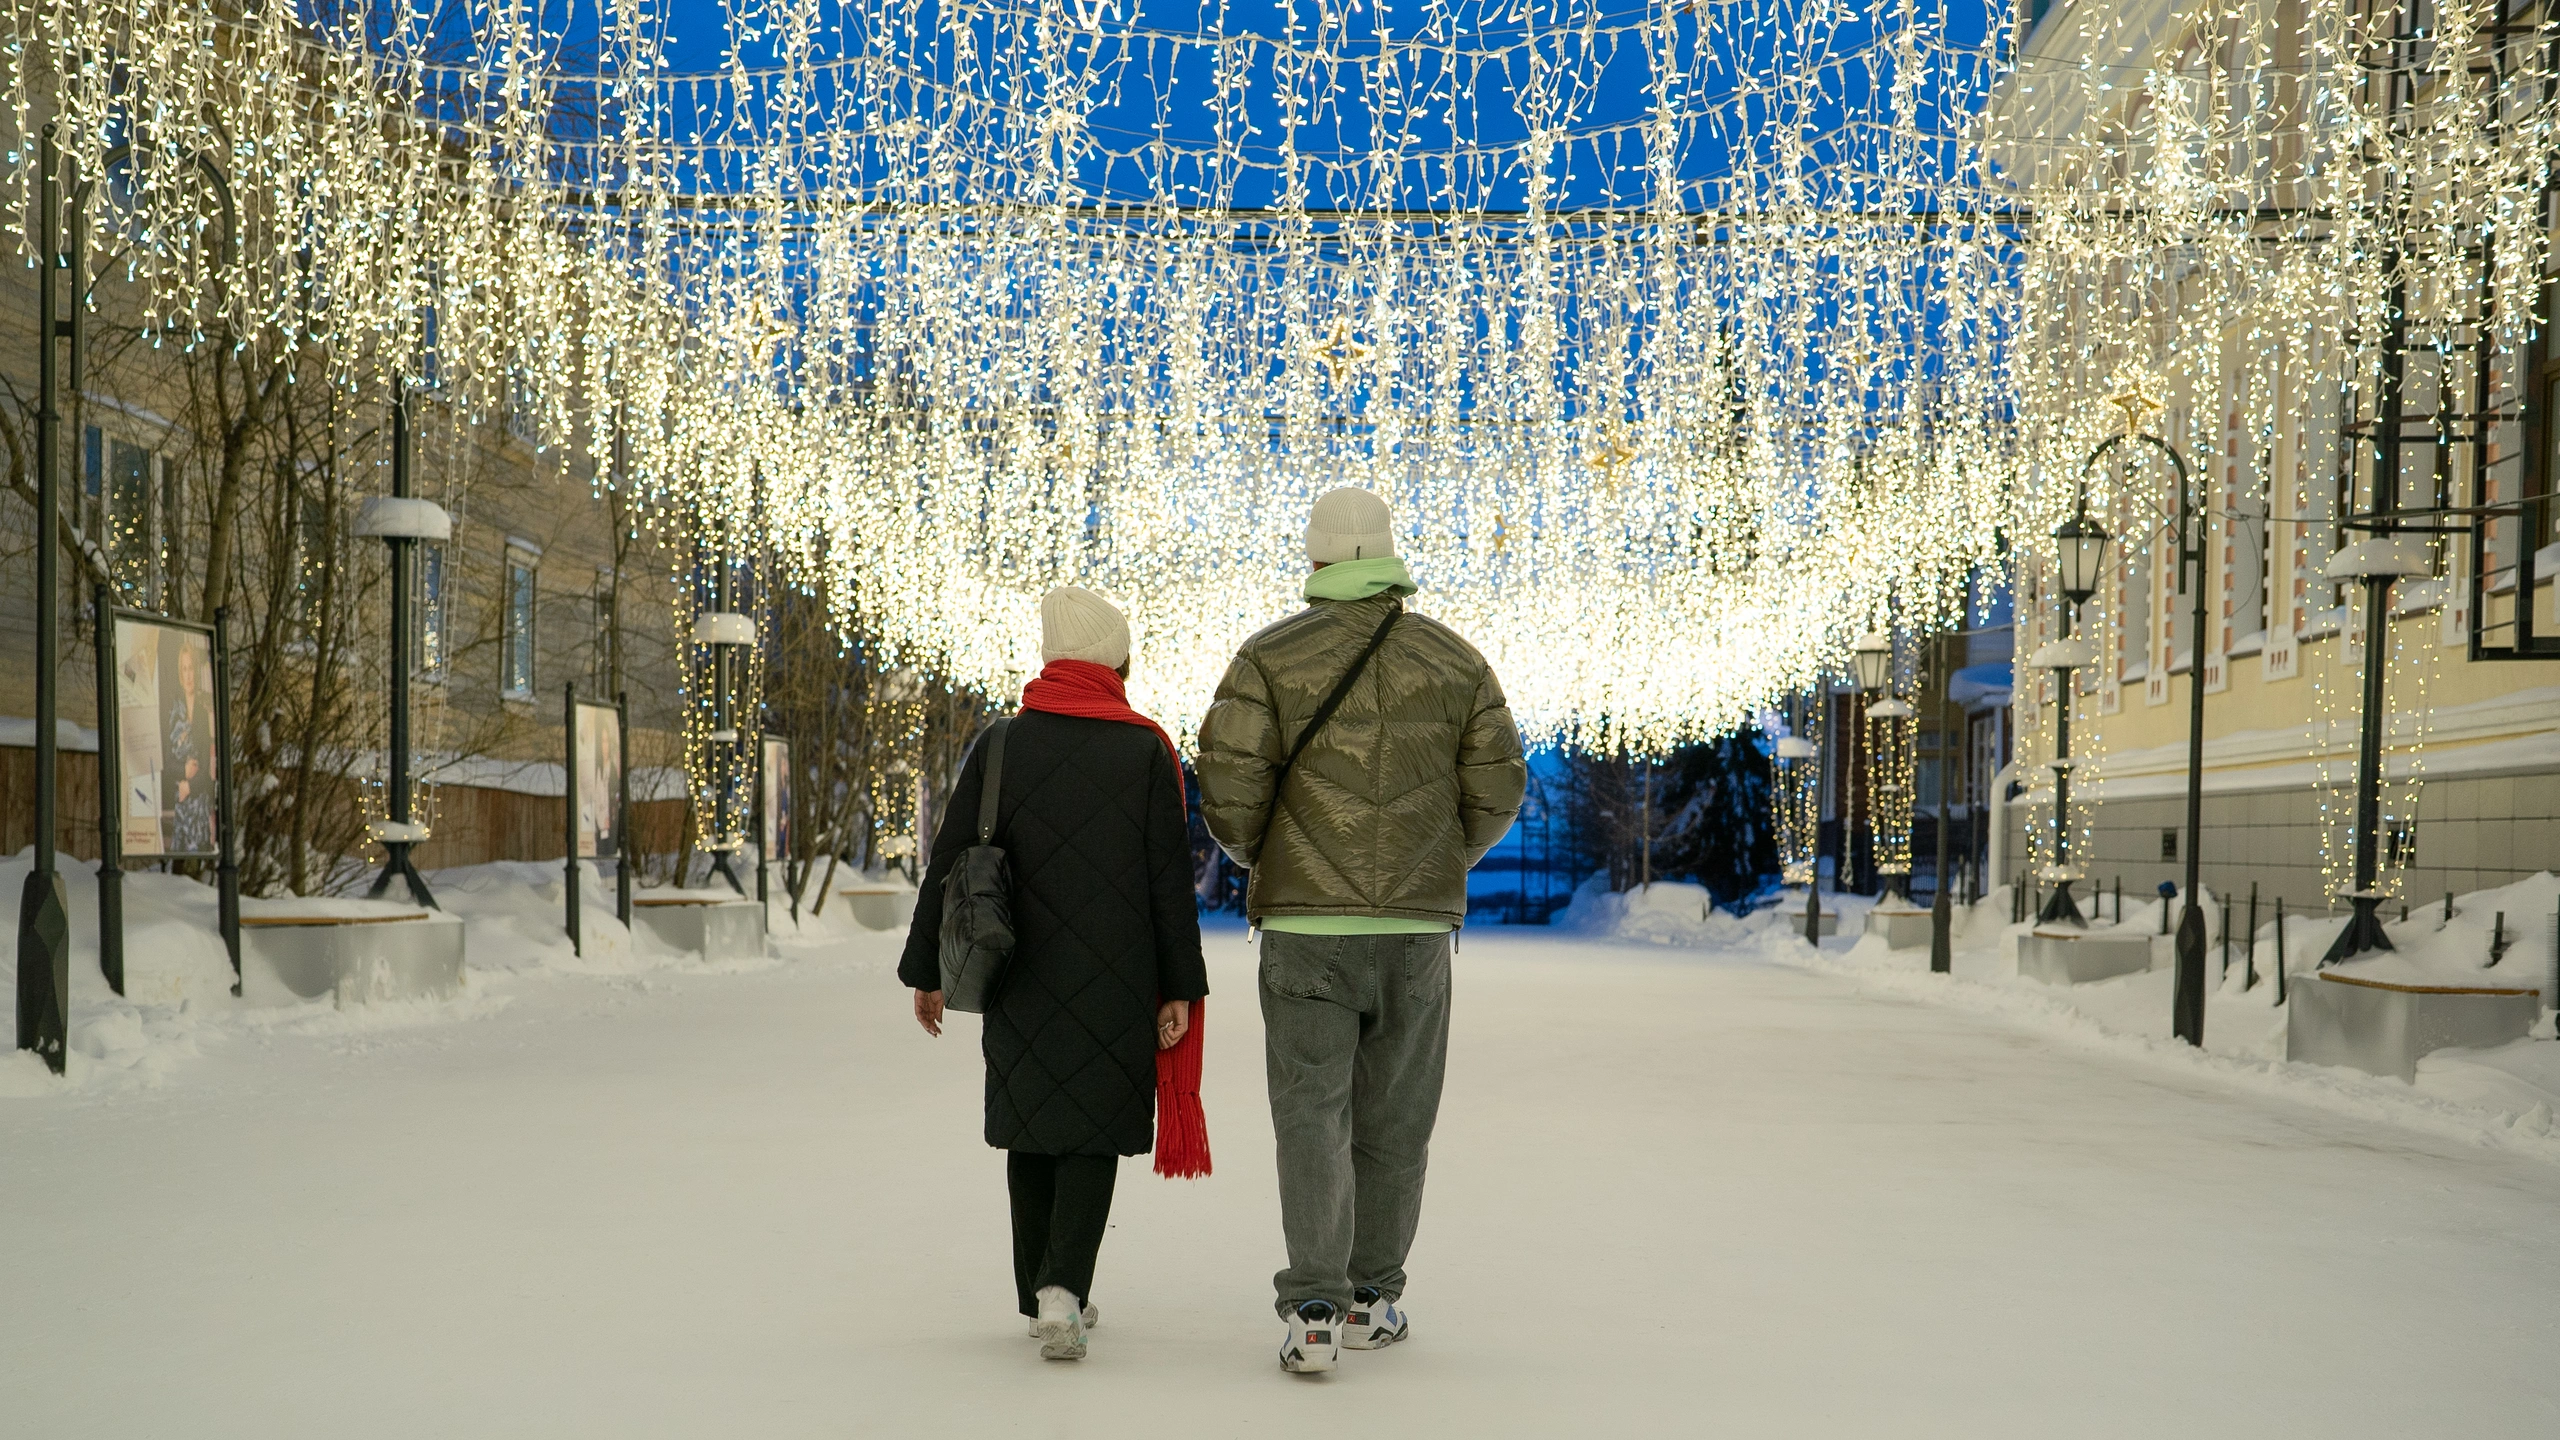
1076	624
1350	524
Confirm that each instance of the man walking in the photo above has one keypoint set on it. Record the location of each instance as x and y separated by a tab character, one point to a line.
1359	760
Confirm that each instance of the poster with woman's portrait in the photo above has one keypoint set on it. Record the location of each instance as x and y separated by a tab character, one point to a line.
164	739
595	780
776	839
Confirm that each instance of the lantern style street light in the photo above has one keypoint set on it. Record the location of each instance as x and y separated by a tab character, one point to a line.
1873	657
1871	662
1890	804
2186	1004
2080	560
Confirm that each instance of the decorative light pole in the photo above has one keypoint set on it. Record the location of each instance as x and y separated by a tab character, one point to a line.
2081	552
1794	796
1793	800
726	634
2373	562
2186	1008
402	522
1871	659
1889	722
1942	953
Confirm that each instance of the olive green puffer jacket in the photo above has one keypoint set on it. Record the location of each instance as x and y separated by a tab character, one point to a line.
1417	774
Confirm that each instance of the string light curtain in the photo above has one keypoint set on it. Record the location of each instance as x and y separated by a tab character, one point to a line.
1689	340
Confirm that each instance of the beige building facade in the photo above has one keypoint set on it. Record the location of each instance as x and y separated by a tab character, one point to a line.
2465	456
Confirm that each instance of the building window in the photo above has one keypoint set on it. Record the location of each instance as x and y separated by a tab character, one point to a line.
523	419
515	664
2540	525
125	505
311	558
133	540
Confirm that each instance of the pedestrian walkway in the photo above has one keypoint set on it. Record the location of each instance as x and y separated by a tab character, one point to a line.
1672	1194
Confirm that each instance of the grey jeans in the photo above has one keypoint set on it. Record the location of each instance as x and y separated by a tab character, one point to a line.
1355	1041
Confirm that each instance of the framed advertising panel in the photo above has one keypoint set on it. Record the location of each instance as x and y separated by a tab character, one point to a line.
595	779
167	761
774	775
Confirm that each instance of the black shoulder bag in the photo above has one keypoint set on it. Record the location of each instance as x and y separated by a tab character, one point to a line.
977	900
1323	713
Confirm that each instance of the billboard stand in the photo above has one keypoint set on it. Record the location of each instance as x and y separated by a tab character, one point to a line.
773	812
110	801
622	811
764	851
598	782
164	762
569	809
226	866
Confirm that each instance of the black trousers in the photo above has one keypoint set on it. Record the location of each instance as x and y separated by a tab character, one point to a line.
1061	1205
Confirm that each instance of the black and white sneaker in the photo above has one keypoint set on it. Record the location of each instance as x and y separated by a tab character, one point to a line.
1314	1342
1060	1325
1373	1322
1091	1317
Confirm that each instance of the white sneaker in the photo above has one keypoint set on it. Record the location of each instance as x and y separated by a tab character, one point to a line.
1091	1316
1060	1326
1373	1323
1313	1344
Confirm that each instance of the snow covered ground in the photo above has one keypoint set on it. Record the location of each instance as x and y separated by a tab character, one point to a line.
1720	1186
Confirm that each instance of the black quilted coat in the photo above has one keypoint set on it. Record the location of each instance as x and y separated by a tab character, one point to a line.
1104	924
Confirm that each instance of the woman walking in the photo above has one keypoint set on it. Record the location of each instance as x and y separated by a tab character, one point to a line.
1096	1011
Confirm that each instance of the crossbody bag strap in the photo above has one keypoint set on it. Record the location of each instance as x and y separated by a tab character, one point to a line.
1325	711
991	786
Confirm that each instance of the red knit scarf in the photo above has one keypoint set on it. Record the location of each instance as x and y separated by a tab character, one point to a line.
1093	692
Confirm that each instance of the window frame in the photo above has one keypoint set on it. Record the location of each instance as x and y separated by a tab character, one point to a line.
99	511
519	625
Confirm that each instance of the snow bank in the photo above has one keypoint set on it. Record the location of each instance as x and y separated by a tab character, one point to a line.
2503	1096
1676	912
2428	949
178	976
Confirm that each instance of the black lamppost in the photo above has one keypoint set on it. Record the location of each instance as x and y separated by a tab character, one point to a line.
402	522
1942	957
1871	659
2080	553
2186	1009
44	923
2373	562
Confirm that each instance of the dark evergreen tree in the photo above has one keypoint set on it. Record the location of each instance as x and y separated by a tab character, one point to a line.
1706	808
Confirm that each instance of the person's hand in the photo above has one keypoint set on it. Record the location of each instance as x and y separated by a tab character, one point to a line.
929	1012
1173	1021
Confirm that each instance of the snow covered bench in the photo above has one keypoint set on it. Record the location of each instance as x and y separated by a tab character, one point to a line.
1902	929
2062	956
715	927
353	958
2383	1026
880	907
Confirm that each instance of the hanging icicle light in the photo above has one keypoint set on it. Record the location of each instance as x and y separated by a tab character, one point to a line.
1673	367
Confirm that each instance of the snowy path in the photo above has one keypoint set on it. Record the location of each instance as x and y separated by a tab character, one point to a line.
1672	1195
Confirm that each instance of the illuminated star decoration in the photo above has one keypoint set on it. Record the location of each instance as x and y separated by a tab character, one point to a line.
2137	408
1337	352
1616	456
